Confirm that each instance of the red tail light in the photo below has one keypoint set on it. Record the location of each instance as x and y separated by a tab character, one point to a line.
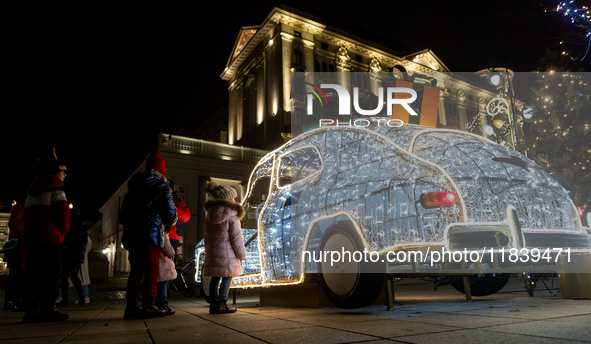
580	211
438	199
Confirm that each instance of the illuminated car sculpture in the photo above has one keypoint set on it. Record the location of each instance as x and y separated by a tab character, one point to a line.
384	189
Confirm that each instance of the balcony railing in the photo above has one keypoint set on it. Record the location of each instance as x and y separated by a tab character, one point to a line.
209	149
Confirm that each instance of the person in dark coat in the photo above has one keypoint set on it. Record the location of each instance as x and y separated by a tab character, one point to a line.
74	252
147	208
15	284
46	222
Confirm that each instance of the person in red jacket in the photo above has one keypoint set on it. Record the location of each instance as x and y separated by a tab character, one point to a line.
46	222
183	214
15	283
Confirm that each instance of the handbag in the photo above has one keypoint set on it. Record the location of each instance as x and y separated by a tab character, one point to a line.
167	270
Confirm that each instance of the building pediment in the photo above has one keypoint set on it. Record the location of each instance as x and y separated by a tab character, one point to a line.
244	36
428	59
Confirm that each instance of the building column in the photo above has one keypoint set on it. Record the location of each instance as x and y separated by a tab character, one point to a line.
482	114
343	68
442	114
462	110
462	117
343	64
375	80
309	59
286	50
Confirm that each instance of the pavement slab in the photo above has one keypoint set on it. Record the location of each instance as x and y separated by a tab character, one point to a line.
548	329
313	334
391	328
481	337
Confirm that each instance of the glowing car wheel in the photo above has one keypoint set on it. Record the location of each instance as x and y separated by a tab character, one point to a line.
482	285
344	283
204	288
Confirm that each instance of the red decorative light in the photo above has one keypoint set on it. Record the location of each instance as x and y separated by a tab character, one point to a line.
438	199
580	211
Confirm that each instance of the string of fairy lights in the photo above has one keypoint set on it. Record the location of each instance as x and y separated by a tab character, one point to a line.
579	16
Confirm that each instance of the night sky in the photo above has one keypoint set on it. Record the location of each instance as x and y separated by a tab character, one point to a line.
100	81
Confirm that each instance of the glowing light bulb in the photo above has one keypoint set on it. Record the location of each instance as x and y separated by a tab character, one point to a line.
495	79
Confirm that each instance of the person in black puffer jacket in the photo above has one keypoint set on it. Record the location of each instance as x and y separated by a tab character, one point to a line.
73	253
147	208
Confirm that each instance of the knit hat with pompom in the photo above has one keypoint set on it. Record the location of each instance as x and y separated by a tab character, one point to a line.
218	191
156	162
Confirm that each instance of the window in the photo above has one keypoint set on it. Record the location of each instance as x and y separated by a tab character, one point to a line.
297	58
297	34
358	58
316	66
259	184
323	46
297	91
299	165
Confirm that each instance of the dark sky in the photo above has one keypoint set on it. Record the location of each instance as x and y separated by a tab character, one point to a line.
99	80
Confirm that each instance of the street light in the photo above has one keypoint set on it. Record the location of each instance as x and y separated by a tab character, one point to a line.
495	78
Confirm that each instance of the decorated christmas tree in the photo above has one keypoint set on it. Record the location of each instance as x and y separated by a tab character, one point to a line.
556	127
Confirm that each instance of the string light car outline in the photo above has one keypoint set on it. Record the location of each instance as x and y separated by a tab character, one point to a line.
277	156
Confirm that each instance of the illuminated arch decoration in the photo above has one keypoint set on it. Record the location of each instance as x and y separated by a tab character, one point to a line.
497	105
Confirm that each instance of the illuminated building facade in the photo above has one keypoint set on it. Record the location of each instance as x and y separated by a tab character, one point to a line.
262	104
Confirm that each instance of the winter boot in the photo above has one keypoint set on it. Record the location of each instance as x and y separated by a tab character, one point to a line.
167	310
150	310
214	307
30	317
133	310
224	308
51	315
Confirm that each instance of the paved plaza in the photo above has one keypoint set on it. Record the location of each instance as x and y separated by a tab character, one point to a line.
420	315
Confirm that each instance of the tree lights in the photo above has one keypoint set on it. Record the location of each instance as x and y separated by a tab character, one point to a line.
557	133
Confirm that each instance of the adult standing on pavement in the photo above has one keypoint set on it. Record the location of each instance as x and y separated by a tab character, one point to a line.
224	245
84	274
146	209
14	286
74	250
46	222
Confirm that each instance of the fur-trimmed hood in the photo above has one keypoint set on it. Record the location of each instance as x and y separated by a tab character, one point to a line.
239	209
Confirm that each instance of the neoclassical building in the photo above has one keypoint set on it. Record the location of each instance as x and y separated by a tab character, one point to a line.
263	104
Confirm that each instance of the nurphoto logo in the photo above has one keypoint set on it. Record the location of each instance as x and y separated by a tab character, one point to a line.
330	97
